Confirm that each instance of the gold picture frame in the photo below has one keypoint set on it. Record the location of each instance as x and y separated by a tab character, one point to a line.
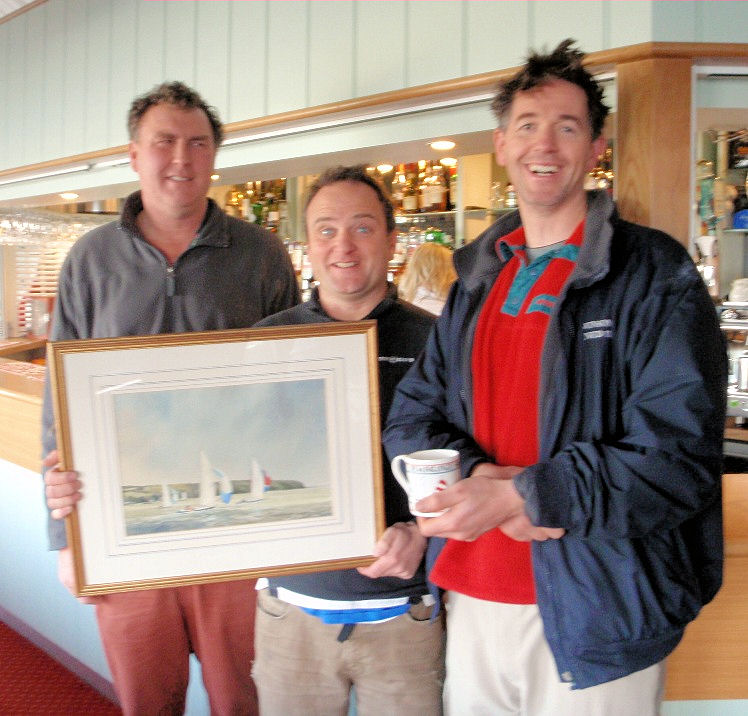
220	455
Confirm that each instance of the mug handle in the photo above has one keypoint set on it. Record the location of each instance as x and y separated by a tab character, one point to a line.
399	473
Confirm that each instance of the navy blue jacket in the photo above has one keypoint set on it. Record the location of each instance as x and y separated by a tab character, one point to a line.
631	417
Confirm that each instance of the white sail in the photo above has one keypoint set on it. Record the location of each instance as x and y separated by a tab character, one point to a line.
207	482
258	482
166	500
227	488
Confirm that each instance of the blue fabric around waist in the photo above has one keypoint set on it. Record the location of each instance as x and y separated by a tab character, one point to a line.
357	616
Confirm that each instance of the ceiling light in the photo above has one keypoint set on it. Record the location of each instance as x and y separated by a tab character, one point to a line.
448	162
215	177
44	175
111	163
442	145
384	168
68	195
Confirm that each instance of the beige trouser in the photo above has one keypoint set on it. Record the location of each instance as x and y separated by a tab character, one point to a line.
396	667
499	663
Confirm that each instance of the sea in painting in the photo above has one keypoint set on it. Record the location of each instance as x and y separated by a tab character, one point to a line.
227	455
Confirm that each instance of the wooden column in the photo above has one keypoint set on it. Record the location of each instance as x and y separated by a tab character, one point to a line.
653	144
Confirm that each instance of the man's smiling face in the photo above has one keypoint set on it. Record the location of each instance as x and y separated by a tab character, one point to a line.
546	146
173	153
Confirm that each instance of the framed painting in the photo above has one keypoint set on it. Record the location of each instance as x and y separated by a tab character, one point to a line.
220	455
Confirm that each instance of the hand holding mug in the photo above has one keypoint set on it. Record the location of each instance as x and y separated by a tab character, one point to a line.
426	472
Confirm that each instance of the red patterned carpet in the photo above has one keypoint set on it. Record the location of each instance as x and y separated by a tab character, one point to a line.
34	684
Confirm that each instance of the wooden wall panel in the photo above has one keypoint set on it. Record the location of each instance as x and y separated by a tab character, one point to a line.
122	82
381	66
711	660
653	145
434	42
180	45
212	40
248	61
485	21
288	56
331	56
20	440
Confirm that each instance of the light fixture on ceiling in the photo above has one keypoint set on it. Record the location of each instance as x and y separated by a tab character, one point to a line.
384	168
448	162
442	145
215	177
45	175
68	195
111	163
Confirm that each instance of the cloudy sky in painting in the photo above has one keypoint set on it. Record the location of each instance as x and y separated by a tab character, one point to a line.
280	424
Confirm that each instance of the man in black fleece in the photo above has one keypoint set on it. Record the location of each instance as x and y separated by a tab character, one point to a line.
319	635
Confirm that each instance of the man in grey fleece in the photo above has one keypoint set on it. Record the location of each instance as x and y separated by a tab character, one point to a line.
319	634
174	262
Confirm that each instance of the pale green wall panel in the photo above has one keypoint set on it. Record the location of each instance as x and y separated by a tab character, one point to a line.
98	106
288	57
150	26
70	68
382	38
629	22
724	92
34	81
496	35
331	57
122	84
248	61
54	79
179	48
5	96
554	21
721	21
75	86
675	21
434	46
212	53
16	106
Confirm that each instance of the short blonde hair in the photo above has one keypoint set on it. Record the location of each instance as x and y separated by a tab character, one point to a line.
429	267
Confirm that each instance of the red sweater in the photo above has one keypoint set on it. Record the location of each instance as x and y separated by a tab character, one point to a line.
506	372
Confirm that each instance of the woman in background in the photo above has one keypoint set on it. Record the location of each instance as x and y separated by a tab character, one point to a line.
428	277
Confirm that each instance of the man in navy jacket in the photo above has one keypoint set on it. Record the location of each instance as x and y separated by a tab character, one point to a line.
579	369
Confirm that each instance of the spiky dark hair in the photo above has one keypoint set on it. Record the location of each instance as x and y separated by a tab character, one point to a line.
564	63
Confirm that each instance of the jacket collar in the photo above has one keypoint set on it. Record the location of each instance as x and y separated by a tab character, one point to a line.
478	263
382	307
212	232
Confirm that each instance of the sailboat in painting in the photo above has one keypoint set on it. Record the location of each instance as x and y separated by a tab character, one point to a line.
258	482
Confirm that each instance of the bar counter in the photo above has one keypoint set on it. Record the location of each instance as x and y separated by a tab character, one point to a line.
709	663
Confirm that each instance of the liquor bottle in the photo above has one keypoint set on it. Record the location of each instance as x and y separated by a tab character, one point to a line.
453	188
398	186
438	189
410	190
424	186
272	217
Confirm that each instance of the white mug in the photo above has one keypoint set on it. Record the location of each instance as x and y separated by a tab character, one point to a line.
426	472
